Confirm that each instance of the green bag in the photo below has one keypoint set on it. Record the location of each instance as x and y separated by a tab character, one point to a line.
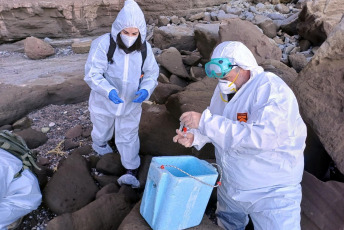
16	145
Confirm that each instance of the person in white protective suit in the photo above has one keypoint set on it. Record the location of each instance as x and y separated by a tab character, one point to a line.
259	136
18	195
116	89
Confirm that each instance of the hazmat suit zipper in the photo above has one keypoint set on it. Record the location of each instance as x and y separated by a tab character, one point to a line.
124	82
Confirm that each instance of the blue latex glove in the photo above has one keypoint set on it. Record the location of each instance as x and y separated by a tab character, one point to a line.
113	96
143	94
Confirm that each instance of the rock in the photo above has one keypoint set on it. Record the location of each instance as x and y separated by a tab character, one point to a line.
70	144
155	139
172	61
163	91
163	79
63	19
43	161
51	124
318	95
269	28
134	220
106	213
192	59
298	61
32	137
37	49
180	37
60	83
111	164
289	25
74	132
223	16
6	127
143	170
319	201
206	36
175	19
287	74
104	180
130	195
197	73
163	21
304	45
74	175
259	44
93	160
174	79
81	47
23	123
198	16
282	8
86	132
318	18
45	129
107	189
83	150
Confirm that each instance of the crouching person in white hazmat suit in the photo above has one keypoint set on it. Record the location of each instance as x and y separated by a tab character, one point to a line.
259	136
121	78
19	192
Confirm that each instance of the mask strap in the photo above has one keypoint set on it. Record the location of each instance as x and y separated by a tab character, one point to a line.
222	98
234	81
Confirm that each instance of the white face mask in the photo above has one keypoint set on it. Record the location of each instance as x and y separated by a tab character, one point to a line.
128	40
227	87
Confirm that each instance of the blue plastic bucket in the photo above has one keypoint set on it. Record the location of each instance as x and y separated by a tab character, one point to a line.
173	199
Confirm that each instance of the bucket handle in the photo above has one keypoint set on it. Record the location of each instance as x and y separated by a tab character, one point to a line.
219	169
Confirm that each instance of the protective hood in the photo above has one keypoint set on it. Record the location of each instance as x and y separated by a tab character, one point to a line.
130	16
241	55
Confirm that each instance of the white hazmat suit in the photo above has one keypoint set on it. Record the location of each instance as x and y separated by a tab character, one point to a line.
123	76
18	196
262	158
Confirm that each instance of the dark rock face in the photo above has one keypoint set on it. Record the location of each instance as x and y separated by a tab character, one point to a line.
71	187
319	89
106	213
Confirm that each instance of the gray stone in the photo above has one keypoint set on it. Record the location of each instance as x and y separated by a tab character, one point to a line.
304	45
259	44
282	8
192	59
171	59
287	74
289	25
163	21
298	61
163	91
37	49
269	28
180	37
81	47
206	36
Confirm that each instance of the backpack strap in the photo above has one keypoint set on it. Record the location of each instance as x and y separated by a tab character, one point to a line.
144	55
111	50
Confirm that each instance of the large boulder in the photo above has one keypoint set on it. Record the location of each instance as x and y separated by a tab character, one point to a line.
318	18
37	49
24	87
106	213
206	36
76	18
172	60
322	205
259	44
74	175
180	37
320	92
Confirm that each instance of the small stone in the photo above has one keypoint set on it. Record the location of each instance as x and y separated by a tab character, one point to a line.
51	124
45	129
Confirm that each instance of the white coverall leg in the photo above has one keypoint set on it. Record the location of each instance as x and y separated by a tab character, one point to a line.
126	135
18	196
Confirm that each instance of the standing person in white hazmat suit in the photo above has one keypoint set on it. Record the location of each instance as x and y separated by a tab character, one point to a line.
19	191
259	136
119	86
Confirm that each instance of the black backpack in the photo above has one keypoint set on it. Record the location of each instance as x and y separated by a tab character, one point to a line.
112	48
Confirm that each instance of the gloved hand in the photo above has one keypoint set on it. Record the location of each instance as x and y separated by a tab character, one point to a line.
113	96
143	94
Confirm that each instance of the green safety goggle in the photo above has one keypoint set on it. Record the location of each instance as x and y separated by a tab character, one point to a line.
218	67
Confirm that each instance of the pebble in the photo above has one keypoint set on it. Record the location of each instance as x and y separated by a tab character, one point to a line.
51	124
45	129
